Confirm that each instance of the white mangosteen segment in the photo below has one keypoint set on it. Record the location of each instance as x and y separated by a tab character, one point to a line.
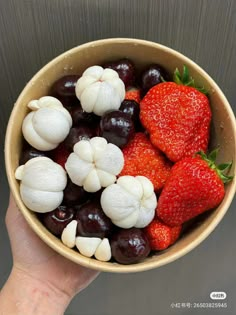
105	178
128	221
94	72
112	78
33	105
37	159
32	137
45	101
94	163
145	217
19	172
108	99
103	251
99	145
82	84
68	235
42	184
87	245
100	90
84	150
111	159
147	206
131	185
118	85
77	169
92	182
65	113
44	174
126	204
109	74
40	201
150	202
117	203
47	125
52	103
51	125
147	185
89	97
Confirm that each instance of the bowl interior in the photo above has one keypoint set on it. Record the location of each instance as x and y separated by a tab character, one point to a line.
75	61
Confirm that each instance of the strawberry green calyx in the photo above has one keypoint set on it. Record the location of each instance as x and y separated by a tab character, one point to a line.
219	169
187	80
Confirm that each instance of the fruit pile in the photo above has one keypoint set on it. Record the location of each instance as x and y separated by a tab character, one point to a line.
115	164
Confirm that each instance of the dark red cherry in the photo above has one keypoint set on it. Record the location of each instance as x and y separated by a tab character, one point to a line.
125	69
81	132
152	75
129	246
64	89
65	86
74	194
131	108
60	154
30	153
117	127
92	221
78	115
56	220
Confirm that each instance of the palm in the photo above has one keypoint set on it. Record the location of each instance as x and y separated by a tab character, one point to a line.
41	262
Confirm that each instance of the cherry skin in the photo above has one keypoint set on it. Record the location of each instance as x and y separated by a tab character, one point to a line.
30	153
131	108
125	69
81	132
65	86
153	75
129	246
78	115
60	154
55	221
92	221
117	127
64	89
74	194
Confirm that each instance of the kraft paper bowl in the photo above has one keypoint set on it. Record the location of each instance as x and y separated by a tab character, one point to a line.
76	60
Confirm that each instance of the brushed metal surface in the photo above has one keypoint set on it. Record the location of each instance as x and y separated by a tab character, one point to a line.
32	32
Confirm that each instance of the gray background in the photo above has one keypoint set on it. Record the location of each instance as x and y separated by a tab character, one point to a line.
32	32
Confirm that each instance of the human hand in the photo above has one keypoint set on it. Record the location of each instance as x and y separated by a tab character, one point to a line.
38	266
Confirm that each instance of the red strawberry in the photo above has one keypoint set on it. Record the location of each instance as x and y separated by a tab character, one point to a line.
133	93
194	186
175	233
177	117
141	158
161	235
60	155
